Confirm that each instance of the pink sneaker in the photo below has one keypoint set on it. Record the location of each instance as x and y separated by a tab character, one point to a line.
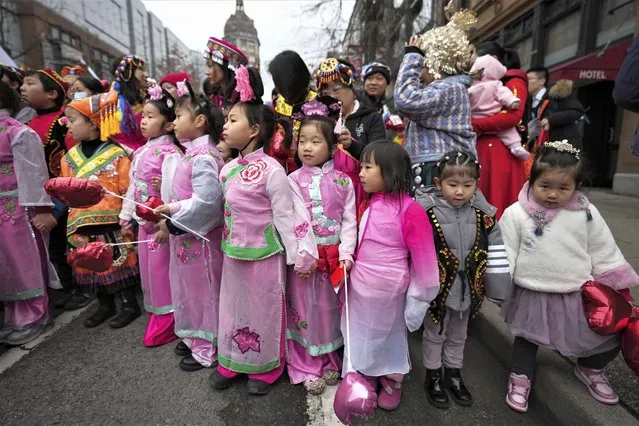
518	391
520	153
390	394
598	385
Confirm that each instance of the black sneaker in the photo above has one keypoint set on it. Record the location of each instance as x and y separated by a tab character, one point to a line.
218	381
127	315
181	349
188	363
257	387
78	300
104	312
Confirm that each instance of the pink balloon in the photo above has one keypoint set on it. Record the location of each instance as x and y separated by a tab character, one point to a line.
355	399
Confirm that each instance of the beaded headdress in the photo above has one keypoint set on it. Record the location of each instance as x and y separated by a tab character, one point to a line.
563	146
70	74
127	66
331	70
219	51
447	48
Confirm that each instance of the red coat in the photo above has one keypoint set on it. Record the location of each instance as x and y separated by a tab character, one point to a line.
502	174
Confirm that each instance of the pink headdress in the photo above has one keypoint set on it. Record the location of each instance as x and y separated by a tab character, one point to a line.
324	106
243	84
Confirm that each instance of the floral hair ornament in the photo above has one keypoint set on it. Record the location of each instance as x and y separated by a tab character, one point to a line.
447	49
182	89
563	146
243	86
155	93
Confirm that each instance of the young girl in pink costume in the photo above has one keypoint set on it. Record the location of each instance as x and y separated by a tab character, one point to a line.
25	221
158	153
387	292
313	330
260	224
555	242
195	201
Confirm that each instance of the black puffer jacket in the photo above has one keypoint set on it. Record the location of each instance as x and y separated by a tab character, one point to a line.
562	113
366	126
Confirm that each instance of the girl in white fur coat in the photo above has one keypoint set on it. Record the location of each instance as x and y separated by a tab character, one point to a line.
555	242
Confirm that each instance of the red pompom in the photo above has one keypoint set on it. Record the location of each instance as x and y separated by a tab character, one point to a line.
75	192
146	212
95	256
607	312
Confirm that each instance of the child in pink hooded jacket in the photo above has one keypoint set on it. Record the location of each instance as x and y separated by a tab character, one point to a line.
488	96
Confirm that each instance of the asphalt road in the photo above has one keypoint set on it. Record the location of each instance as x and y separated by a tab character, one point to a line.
104	376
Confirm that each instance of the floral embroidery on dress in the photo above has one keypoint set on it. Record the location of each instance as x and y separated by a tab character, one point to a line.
153	247
253	173
301	230
247	340
164	149
184	253
6	169
7	207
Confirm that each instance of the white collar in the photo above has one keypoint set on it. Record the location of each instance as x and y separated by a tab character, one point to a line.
540	95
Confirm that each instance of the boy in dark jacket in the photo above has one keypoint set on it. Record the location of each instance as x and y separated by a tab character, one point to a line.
362	124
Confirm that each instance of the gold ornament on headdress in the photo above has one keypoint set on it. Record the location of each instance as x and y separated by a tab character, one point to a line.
447	49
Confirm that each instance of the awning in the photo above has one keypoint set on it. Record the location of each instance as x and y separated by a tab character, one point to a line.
593	66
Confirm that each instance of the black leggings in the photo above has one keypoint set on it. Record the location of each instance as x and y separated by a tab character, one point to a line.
525	358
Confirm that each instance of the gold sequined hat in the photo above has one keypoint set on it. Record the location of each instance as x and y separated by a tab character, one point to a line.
447	48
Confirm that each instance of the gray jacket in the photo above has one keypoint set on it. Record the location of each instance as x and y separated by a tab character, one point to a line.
459	226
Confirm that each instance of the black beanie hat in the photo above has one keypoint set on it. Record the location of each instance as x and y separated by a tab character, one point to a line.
377	67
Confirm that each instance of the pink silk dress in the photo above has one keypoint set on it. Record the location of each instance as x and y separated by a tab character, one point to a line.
387	292
263	232
195	196
23	255
313	317
148	162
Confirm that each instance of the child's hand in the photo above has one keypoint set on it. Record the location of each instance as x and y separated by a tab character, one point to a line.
163	209
414	41
346	263
345	137
515	106
305	275
545	124
127	228
156	182
44	222
162	234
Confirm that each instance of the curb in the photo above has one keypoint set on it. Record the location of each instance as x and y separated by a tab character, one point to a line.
555	388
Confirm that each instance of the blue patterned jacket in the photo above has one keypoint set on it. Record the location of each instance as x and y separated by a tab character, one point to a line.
439	113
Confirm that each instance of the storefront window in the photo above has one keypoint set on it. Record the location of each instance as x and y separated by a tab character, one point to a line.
562	38
619	24
524	50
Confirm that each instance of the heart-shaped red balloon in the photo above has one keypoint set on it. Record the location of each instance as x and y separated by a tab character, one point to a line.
630	342
607	312
75	192
147	213
95	256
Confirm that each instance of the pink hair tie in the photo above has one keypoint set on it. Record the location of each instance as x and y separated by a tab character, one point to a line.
155	93
243	86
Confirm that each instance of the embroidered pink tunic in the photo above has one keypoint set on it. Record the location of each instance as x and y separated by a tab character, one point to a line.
148	162
23	256
313	318
388	293
260	223
196	265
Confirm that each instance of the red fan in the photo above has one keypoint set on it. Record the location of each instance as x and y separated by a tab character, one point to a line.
75	192
95	256
146	212
608	312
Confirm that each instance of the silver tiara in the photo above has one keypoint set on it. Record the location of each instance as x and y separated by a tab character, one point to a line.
563	146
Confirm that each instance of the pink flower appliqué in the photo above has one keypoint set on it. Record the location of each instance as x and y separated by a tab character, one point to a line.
247	340
316	108
301	230
254	172
153	246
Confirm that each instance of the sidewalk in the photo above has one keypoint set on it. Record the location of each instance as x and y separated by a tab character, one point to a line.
556	388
